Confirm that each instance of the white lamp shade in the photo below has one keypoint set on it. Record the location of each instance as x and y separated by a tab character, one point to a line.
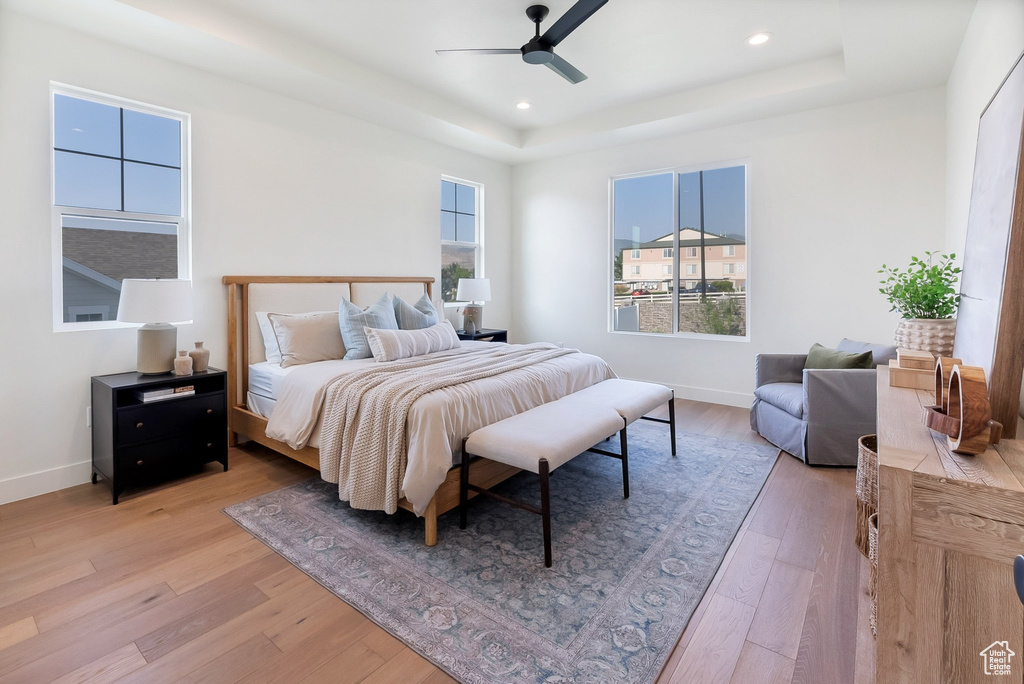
474	290
155	301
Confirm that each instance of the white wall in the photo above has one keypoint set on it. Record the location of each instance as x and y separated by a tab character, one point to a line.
279	187
992	44
834	193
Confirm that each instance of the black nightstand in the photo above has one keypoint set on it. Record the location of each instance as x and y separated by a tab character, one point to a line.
142	443
489	334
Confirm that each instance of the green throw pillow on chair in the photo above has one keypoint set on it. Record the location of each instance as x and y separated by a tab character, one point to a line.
823	357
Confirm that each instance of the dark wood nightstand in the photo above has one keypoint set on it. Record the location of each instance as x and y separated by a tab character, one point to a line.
490	334
134	442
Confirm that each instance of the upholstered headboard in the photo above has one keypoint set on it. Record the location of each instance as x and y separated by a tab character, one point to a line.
295	294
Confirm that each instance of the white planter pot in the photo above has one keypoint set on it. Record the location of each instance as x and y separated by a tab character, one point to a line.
933	335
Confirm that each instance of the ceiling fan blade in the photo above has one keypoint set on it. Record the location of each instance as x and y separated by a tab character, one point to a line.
570	21
495	51
566	70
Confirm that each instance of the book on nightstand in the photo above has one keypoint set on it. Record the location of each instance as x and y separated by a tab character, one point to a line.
148	396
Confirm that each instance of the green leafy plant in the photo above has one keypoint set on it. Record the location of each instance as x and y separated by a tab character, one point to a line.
926	289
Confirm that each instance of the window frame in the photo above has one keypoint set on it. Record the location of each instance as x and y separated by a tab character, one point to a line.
57	212
478	215
610	246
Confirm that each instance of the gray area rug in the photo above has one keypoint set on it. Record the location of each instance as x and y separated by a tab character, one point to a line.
627	574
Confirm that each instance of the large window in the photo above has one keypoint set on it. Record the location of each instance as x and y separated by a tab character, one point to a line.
120	201
700	215
461	234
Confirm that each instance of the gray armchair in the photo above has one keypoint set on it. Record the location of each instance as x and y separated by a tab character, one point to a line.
816	415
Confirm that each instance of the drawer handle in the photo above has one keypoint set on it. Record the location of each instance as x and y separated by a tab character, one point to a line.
138	425
139	462
209	411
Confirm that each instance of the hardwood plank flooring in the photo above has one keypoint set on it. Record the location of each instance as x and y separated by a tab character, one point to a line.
165	588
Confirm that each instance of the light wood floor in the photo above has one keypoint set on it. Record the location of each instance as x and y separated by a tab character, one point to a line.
164	587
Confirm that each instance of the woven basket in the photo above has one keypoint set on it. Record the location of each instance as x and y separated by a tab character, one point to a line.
867	487
873	575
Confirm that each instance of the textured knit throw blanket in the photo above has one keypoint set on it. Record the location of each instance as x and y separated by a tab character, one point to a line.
364	442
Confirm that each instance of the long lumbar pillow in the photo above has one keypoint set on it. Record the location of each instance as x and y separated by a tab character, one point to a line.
353	321
391	345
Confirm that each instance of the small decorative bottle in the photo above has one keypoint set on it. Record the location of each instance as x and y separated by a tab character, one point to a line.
200	358
183	363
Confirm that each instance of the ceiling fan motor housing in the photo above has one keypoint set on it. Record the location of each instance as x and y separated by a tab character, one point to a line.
535	52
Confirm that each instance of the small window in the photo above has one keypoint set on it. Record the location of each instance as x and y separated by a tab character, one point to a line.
666	253
461	234
729	250
634	270
691	252
635	254
691	269
666	269
729	268
120	201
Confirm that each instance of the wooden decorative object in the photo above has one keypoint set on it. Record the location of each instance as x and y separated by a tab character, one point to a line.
990	318
915	358
943	367
963	412
912	378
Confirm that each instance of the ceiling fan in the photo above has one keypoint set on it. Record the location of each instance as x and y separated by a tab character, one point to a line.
540	49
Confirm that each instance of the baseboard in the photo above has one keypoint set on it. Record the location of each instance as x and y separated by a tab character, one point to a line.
45	481
710	396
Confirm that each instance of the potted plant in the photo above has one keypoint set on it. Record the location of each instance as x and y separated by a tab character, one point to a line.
926	298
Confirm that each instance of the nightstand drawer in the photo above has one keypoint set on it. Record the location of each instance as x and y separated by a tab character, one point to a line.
168	418
169	455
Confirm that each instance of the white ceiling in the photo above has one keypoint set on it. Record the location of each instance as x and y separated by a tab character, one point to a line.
654	66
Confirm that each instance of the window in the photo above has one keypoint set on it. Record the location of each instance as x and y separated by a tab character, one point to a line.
461	234
120	207
703	215
634	270
635	254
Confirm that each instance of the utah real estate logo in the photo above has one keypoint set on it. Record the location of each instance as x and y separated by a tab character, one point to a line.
997	658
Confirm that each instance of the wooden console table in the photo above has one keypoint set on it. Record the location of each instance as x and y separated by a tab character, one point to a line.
949	527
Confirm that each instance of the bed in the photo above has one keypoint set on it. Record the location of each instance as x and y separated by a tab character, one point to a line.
437	421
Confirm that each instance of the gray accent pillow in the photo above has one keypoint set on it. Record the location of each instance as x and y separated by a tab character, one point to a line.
881	353
352	320
416	316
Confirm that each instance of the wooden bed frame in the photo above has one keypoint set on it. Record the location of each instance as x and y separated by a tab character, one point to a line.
244	424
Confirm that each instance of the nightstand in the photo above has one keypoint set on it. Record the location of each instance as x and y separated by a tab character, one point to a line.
134	442
490	334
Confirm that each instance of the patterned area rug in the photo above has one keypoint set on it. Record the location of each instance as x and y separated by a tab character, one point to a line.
627	574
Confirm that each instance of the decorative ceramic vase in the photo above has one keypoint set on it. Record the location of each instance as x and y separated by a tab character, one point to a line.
200	358
933	335
183	363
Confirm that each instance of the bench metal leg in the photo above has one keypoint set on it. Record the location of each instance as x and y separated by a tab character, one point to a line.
545	510
672	421
463	486
625	463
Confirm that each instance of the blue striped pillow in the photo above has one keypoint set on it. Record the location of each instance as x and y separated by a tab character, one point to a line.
352	320
416	316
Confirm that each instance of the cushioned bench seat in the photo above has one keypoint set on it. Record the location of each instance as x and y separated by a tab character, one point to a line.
540	440
633	400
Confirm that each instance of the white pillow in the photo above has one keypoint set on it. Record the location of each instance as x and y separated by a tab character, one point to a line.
308	337
270	348
391	345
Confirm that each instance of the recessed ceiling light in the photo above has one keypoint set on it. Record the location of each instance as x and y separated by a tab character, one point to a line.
759	38
522	105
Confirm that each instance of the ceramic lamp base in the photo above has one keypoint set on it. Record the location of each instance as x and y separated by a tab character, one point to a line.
472	318
157	343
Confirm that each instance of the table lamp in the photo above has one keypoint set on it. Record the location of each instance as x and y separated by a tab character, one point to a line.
155	303
473	290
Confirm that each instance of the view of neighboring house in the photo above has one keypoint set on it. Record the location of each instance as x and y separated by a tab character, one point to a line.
95	262
649	265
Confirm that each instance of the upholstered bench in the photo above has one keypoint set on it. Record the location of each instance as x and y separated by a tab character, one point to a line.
633	400
540	440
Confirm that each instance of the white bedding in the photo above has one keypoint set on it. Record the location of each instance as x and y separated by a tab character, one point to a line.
438	421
